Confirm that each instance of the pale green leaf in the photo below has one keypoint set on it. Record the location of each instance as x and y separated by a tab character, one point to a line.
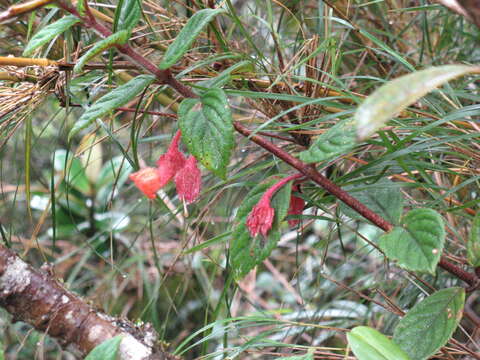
247	252
114	99
49	32
370	344
187	36
207	130
107	350
118	38
430	324
127	15
417	244
394	96
473	245
111	178
338	140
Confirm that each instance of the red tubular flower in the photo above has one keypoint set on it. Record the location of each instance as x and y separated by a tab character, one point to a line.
170	162
296	207
189	180
260	218
147	180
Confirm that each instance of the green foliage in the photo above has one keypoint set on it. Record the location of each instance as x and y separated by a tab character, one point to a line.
429	324
187	36
115	98
369	344
127	15
295	73
118	38
394	96
207	130
107	350
338	140
72	169
49	32
247	252
418	243
383	197
473	244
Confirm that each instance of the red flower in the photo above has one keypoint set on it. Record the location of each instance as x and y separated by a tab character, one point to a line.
189	180
260	218
147	180
296	207
170	162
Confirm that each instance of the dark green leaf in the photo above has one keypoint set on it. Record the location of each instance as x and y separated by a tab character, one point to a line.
394	96
49	32
107	350
115	98
247	252
418	244
384	198
338	140
187	36
430	324
369	344
118	38
473	245
207	130
127	15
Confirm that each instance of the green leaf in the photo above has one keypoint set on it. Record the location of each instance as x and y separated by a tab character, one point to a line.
394	96
187	36
429	324
418	244
127	15
338	140
384	198
107	350
49	32
113	175
115	98
225	76
369	344
207	130
118	38
74	172
82	7
247	252
473	245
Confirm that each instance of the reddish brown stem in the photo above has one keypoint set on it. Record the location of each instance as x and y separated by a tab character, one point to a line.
345	197
165	76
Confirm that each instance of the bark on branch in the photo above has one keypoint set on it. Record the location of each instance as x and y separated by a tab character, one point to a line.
36	297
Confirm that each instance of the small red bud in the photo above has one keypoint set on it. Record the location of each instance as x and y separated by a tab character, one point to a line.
147	180
189	180
260	218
